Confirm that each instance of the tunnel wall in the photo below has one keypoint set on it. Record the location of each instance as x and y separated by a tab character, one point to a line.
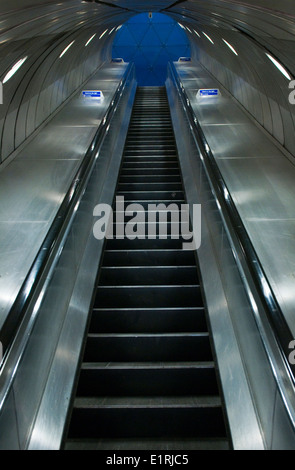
250	77
40	31
46	79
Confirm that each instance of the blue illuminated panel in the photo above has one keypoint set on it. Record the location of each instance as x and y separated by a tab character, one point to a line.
151	42
92	94
211	92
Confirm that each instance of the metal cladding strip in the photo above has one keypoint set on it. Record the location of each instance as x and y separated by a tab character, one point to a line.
24	313
275	333
82	255
147	370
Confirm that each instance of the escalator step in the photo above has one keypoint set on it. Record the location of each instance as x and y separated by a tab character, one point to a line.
147	444
148	296
147	417
148	258
148	320
145	244
139	178
147	275
152	195
148	377
171	187
146	347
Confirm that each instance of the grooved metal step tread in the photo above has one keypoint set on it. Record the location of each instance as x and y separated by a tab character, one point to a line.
143	156
149	178
148	402
148	320
148	309
172	444
148	257
148	365
150	186
147	275
155	287
150	335
166	160
138	267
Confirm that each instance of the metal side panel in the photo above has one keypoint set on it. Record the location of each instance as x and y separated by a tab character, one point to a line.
260	179
219	273
84	252
34	183
258	355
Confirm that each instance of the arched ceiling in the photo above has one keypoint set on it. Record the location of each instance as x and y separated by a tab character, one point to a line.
35	32
267	22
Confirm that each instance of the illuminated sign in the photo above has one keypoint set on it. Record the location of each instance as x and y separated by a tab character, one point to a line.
97	94
208	93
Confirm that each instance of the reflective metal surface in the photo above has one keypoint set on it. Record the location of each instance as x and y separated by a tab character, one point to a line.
261	181
37	338
34	184
223	290
79	269
39	31
275	386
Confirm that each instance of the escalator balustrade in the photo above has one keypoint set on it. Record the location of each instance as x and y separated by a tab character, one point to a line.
148	378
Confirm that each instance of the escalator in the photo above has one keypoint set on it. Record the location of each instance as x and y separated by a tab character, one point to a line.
148	378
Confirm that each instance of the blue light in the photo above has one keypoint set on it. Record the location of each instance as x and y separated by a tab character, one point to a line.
212	92
151	43
92	94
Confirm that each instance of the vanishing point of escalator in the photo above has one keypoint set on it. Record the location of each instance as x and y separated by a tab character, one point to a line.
148	378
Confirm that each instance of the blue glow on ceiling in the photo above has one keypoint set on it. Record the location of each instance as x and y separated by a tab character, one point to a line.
151	43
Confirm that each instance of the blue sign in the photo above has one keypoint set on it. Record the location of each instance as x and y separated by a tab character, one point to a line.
184	59
209	92
212	92
92	94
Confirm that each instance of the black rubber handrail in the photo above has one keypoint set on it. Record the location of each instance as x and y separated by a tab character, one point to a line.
263	288
49	245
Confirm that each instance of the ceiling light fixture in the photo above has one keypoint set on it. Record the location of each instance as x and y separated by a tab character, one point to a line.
208	37
14	69
66	48
279	66
103	34
90	39
230	46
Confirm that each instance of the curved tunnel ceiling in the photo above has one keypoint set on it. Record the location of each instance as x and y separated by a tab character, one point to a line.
35	33
151	41
269	22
